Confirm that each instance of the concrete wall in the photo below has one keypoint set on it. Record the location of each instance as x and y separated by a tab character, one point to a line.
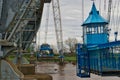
9	71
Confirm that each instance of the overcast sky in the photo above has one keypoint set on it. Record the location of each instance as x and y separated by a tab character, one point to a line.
71	15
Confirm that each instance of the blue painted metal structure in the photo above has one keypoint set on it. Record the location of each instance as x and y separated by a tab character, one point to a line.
94	17
97	54
105	58
95	28
83	65
45	51
103	46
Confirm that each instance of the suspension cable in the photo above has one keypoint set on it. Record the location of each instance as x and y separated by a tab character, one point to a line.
117	20
47	21
116	16
104	13
113	15
83	18
100	6
82	10
104	5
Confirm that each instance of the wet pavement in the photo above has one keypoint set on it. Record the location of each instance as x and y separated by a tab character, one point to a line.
67	72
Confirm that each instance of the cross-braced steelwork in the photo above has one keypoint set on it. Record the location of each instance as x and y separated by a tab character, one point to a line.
24	24
21	20
109	9
58	25
47	21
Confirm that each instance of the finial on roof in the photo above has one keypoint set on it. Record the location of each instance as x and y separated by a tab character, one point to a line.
94	17
94	10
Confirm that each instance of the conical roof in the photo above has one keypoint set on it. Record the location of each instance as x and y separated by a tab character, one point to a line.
94	17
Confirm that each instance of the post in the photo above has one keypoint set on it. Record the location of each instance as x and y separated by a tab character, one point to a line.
116	34
61	56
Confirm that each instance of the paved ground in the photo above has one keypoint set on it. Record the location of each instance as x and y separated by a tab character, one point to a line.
67	72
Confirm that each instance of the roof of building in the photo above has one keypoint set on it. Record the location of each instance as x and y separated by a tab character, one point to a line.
94	17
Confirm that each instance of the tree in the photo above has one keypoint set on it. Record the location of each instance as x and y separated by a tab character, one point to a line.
71	44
